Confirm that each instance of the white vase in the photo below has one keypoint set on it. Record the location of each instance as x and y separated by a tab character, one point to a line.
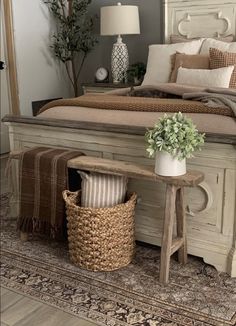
168	165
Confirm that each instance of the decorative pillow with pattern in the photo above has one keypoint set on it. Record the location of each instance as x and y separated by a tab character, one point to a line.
191	61
219	59
102	190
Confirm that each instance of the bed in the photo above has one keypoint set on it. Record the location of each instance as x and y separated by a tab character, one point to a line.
211	207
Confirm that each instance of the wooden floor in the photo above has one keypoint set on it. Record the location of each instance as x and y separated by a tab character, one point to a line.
20	310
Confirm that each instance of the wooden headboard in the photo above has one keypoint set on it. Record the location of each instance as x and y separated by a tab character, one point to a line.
199	18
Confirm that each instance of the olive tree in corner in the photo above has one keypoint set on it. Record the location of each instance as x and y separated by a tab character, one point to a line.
74	37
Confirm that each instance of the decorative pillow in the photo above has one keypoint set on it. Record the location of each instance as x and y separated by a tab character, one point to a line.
102	190
219	59
212	43
159	60
180	39
192	61
205	78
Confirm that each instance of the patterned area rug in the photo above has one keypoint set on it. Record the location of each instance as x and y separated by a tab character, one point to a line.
196	295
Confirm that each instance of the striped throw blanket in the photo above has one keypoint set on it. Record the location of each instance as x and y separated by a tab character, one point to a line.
43	177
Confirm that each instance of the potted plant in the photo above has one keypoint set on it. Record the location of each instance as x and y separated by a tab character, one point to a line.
136	72
173	138
74	37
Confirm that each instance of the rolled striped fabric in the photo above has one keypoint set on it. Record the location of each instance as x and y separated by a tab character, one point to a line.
102	190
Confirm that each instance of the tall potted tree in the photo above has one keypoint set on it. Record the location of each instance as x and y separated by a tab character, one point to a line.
74	37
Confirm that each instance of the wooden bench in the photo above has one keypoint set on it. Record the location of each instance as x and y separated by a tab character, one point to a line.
174	201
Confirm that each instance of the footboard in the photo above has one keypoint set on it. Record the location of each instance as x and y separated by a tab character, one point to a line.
210	207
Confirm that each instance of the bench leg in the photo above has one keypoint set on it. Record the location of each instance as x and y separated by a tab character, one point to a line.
167	233
181	225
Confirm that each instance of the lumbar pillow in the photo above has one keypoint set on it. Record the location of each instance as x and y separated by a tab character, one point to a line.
179	38
204	77
219	59
191	61
159	60
212	43
102	190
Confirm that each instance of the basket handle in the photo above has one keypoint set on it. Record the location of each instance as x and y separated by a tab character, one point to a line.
67	194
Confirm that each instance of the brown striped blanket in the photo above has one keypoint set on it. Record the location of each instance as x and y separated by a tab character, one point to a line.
126	100
43	177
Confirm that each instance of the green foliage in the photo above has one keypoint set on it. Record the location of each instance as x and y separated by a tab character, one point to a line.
176	135
137	70
74	38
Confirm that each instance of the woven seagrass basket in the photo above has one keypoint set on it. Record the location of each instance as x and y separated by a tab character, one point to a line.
100	239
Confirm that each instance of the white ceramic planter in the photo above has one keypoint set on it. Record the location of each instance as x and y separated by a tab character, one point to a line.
167	165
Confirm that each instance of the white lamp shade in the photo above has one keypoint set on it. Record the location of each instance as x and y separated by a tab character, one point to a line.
119	20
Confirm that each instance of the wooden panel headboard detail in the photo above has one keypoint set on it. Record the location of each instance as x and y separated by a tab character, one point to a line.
199	18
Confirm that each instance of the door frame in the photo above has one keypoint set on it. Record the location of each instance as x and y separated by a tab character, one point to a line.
11	59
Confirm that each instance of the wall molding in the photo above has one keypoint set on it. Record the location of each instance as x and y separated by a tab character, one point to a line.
217	15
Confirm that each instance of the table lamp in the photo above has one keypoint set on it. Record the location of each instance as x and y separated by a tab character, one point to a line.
119	20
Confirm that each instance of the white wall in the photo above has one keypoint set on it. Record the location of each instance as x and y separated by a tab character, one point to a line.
39	75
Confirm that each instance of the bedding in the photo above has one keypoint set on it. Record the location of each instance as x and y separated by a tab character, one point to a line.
204	77
115	110
114	101
150	92
219	59
215	97
205	122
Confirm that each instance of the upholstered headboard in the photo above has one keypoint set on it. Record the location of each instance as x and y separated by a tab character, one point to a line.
199	18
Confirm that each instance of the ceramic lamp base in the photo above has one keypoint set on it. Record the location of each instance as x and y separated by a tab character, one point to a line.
119	62
167	165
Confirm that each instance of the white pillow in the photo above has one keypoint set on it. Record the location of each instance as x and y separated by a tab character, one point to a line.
212	43
204	77
159	60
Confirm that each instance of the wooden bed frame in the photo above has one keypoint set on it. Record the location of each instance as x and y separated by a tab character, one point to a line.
211	207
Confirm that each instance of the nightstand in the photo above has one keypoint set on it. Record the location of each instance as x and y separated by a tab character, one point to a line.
101	87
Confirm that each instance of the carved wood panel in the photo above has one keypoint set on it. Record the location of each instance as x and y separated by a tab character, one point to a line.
198	18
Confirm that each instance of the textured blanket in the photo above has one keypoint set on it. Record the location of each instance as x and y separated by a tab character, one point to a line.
126	99
215	97
43	177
